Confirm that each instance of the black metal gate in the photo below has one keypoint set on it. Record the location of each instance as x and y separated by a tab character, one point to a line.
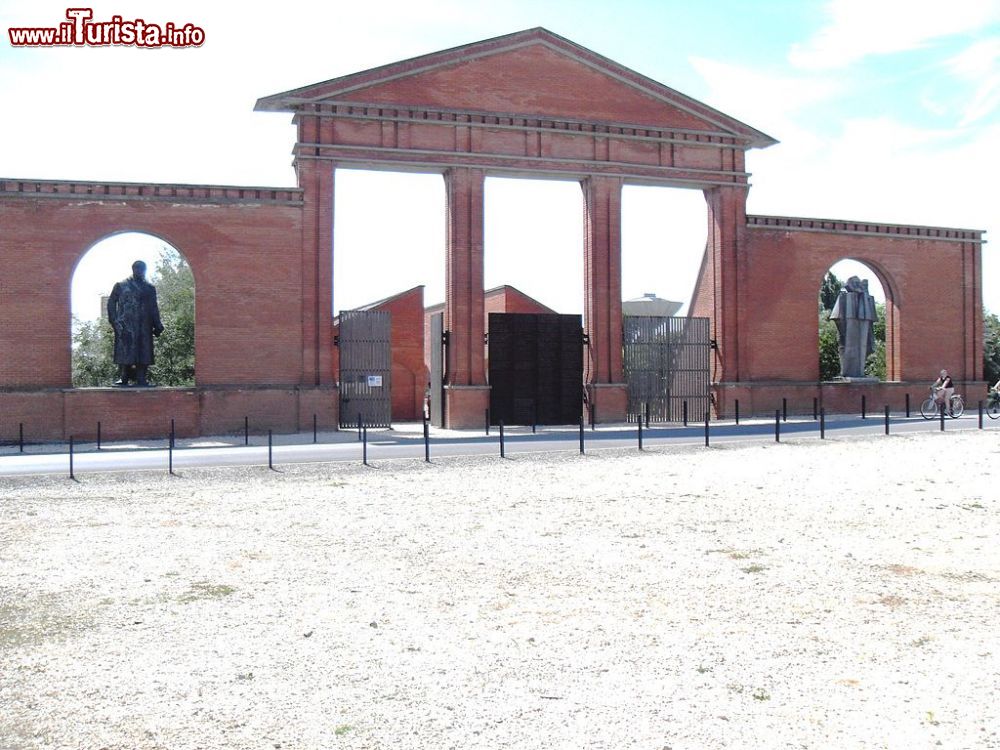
666	364
535	368
365	368
437	369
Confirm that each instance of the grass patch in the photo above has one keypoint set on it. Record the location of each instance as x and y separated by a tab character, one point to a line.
200	590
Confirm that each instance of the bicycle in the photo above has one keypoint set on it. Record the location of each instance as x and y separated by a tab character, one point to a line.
993	404
930	407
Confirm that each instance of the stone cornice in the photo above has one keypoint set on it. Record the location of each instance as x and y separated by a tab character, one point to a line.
866	228
148	192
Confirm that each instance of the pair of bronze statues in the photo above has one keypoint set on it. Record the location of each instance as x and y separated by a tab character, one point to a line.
135	318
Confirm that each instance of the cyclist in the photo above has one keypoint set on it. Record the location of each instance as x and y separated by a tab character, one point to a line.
944	387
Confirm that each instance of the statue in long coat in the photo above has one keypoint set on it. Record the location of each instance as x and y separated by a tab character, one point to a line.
855	315
135	318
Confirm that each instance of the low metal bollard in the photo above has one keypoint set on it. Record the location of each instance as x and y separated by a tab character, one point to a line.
98	436
246	430
685	413
706	429
581	436
71	476
777	426
822	424
887	419
907	405
314	428
640	433
864	407
501	440
270	447
941	409
815	408
737	411
20	437
784	410
427	442
364	445
980	414
647	415
486	415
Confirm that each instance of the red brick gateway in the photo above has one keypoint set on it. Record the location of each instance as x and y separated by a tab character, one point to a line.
525	104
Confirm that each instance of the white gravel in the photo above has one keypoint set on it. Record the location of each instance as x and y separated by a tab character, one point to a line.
841	594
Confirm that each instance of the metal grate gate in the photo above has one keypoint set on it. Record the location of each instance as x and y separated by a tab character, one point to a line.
365	368
666	363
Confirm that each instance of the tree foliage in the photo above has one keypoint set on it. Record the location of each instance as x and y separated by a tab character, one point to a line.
991	347
829	290
93	341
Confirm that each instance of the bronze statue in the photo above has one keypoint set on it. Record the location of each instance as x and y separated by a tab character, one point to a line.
854	312
135	318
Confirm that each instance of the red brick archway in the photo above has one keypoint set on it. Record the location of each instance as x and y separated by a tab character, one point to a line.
526	104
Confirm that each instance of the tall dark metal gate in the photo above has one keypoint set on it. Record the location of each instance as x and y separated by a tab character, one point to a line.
666	364
365	368
535	368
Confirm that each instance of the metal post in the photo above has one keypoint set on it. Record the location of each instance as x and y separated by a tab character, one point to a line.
581	436
980	414
864	407
501	439
815	408
99	434
364	445
822	424
359	427
942	417
427	442
486	413
640	433
685	413
784	409
777	426
737	411
170	453
907	405
71	458
20	437
246	430
314	428
887	419
270	461
706	429
172	434
647	415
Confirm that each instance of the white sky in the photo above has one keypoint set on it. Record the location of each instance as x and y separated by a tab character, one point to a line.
897	127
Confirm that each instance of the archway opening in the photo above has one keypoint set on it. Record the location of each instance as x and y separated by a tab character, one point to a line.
855	324
664	231
93	340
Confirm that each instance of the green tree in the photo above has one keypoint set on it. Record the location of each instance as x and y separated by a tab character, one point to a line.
829	290
829	347
93	341
875	364
991	346
175	347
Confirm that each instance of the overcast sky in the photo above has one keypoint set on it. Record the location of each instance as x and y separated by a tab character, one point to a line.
886	110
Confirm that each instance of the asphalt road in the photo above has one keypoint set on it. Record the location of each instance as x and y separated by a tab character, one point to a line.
406	444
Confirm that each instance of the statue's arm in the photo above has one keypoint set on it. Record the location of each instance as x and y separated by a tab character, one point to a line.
113	305
157	325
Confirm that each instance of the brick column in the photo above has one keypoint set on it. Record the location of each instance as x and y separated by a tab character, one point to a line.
725	263
602	215
317	181
466	392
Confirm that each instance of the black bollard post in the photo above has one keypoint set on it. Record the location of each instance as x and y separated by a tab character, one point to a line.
980	414
942	417
647	415
98	435
427	442
172	433
581	436
20	437
822	424
364	445
777	426
270	446
887	419
71	458
685	413
784	410
640	433
706	429
170	455
864	407
907	405
815	408
314	428
737	411
246	430
501	439
360	426
486	414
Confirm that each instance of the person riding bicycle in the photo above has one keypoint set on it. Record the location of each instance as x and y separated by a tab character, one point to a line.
943	387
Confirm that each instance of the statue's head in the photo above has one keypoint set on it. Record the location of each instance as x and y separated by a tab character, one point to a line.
853	284
139	270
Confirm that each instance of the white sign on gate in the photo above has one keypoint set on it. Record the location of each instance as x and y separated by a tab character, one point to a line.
374	381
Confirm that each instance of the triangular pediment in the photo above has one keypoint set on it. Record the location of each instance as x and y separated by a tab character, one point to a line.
532	73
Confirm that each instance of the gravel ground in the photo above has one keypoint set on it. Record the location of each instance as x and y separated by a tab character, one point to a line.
805	595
